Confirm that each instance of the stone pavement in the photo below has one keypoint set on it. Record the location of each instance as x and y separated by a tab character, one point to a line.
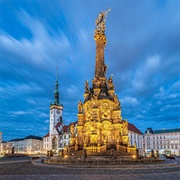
26	170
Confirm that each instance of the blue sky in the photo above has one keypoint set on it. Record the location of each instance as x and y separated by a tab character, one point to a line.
142	53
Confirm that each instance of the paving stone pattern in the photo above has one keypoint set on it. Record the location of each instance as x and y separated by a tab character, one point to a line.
26	170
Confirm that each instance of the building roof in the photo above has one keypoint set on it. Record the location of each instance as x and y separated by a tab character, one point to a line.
133	128
47	135
33	137
166	131
28	137
66	128
18	139
58	124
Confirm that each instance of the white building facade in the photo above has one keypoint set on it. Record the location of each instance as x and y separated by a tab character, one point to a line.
28	145
135	138
165	141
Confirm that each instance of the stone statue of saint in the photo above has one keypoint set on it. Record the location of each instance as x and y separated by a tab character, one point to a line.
86	87
72	129
125	127
95	102
117	103
76	140
110	84
96	82
84	153
80	107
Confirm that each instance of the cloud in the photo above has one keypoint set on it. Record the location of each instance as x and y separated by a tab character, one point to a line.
18	112
130	101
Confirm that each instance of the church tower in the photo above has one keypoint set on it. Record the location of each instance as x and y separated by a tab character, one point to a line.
56	122
100	125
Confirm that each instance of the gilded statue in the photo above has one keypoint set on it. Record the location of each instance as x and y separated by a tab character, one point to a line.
100	21
110	84
72	129
76	140
96	82
103	84
80	107
86	87
117	103
125	127
95	102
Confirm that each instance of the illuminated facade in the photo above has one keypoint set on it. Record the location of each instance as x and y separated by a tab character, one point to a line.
0	142
135	138
165	141
100	125
28	145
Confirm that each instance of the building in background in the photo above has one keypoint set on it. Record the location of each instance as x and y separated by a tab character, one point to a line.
65	137
165	141
135	137
5	147
0	142
28	145
53	139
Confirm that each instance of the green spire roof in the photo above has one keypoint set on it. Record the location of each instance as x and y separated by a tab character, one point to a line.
56	92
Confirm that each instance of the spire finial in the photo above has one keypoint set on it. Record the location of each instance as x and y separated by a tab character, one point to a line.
56	73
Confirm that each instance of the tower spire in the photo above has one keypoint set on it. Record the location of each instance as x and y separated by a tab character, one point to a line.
56	92
57	73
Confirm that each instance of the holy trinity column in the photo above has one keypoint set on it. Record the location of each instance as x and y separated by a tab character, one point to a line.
100	125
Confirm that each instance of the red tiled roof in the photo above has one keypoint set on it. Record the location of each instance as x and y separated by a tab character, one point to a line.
73	123
66	128
133	128
47	135
58	124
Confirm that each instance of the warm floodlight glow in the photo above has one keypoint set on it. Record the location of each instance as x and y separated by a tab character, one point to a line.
134	156
66	156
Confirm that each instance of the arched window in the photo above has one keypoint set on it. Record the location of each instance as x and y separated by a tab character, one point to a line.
54	143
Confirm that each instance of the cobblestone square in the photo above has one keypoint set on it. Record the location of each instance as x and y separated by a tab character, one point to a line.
24	169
